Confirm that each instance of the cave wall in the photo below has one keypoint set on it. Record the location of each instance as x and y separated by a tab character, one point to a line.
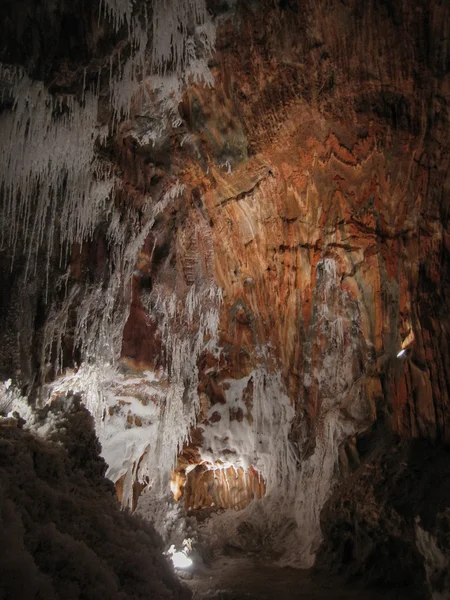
326	163
340	131
263	248
387	524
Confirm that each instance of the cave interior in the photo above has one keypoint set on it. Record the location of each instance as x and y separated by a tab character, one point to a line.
224	299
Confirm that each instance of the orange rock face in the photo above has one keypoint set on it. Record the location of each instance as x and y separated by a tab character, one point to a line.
305	245
317	199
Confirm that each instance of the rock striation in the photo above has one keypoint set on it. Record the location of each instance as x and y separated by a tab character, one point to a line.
265	275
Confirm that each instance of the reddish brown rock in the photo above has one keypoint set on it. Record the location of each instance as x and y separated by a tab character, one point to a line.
316	198
320	141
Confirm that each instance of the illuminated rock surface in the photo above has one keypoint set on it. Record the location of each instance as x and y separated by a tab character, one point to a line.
225	220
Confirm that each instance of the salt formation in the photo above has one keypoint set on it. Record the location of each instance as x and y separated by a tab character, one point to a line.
62	531
65	191
48	155
171	401
118	11
298	482
52	181
437	563
102	308
55	191
14	405
166	404
261	439
336	353
174	49
179	37
186	339
181	32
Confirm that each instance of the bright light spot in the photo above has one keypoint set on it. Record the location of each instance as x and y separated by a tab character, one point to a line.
8	384
179	559
401	353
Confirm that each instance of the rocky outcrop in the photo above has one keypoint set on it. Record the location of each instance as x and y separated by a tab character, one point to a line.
388	523
63	534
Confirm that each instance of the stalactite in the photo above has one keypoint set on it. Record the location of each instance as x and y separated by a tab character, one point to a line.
51	181
55	191
103	307
188	330
170	44
298	478
118	11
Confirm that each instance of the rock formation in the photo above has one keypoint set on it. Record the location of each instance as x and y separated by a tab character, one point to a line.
225	225
388	523
63	534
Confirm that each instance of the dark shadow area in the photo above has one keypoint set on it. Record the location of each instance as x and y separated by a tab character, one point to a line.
388	524
63	534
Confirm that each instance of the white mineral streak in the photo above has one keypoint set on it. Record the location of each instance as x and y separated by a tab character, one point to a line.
181	35
437	563
102	308
51	181
55	191
170	44
166	403
52	184
260	440
50	178
174	48
13	404
334	374
297	484
117	11
188	329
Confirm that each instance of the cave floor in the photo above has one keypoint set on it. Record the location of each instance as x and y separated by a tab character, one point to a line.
250	578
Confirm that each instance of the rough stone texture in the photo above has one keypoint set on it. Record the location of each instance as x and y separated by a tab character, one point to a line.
337	146
331	120
227	488
372	524
63	534
336	141
317	196
328	172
